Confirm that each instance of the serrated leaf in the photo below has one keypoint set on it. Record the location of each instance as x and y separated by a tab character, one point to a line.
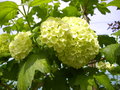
26	74
106	40
8	10
102	79
38	2
114	3
109	52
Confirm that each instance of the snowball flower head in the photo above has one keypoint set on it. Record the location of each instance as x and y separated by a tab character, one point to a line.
21	46
5	40
53	33
73	40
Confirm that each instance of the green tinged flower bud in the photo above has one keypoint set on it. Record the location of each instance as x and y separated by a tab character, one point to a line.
21	46
73	40
5	40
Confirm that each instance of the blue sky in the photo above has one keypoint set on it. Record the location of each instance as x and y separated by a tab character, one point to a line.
98	21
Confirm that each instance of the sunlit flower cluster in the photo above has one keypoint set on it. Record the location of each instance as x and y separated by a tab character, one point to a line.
104	65
5	40
53	33
21	46
75	43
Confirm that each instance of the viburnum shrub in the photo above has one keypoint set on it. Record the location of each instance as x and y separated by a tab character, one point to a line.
46	46
21	46
71	37
5	40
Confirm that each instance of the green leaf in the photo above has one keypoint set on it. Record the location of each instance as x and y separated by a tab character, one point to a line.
26	74
8	10
115	70
11	70
41	11
102	7
117	55
106	40
23	1
57	82
114	3
38	2
117	33
102	79
85	82
55	12
110	52
70	11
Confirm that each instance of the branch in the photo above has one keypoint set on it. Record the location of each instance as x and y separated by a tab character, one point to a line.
93	62
26	16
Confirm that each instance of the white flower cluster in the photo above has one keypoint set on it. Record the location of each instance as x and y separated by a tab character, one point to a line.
5	40
53	33
105	65
21	46
75	43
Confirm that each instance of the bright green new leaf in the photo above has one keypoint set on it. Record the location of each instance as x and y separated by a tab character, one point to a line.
117	33
102	79
8	10
114	3
109	52
38	2
70	11
26	74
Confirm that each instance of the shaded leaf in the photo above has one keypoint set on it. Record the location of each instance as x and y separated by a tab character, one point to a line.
106	40
7	29
41	11
117	55
102	79
109	52
115	70
26	74
11	70
85	82
8	10
38	2
102	7
58	82
55	12
114	3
